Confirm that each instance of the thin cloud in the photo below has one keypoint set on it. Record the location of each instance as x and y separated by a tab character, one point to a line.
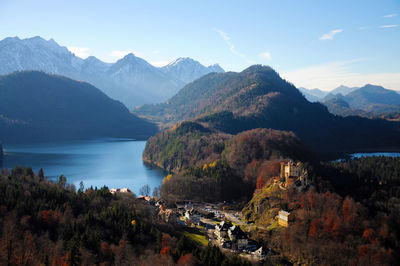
332	75
227	40
82	52
390	15
265	55
330	35
389	26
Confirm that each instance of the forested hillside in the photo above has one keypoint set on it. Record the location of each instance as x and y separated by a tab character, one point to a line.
258	98
47	223
350	216
35	106
225	166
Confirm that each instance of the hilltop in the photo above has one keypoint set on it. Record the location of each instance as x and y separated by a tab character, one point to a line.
259	98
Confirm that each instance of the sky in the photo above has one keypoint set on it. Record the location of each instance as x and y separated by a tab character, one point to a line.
313	44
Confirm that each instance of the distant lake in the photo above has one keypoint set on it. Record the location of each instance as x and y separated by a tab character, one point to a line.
116	163
369	154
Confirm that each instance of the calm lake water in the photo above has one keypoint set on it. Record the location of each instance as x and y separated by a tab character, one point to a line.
116	163
388	154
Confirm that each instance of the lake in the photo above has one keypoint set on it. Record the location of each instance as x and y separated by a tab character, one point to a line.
116	163
369	154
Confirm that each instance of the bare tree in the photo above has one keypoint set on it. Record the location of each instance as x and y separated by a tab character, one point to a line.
145	190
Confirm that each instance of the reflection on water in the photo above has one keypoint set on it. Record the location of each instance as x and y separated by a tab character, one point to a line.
115	163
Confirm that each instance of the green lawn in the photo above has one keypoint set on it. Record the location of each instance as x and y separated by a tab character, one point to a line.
198	238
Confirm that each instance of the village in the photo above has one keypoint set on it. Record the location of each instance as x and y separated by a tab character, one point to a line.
216	223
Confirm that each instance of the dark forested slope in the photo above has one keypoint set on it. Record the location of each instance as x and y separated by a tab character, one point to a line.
35	106
258	98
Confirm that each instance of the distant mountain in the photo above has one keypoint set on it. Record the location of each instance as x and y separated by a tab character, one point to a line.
372	95
35	106
369	101
187	69
314	95
344	90
338	105
133	74
258	98
130	80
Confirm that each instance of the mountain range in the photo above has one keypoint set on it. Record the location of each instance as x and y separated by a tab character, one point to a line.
131	80
259	98
316	95
35	106
369	100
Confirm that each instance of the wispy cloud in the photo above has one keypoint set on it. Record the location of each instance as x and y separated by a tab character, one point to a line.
227	40
265	55
82	52
390	15
117	54
363	28
388	26
332	75
330	35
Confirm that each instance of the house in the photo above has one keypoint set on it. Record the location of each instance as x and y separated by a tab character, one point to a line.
259	253
236	235
167	215
146	198
284	218
122	190
193	216
221	232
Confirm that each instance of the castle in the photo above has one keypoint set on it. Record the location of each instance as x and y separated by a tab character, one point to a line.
293	174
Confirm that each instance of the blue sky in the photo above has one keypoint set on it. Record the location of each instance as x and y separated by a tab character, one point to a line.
311	43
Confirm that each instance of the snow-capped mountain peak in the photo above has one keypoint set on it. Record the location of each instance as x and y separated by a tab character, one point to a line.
187	69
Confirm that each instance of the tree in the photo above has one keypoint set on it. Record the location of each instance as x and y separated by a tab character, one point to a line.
260	182
145	190
156	192
81	187
62	180
41	173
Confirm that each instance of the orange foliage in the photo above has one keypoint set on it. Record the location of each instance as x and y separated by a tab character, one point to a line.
187	259
105	249
260	182
311	198
329	222
363	250
165	244
368	234
337	227
313	228
347	208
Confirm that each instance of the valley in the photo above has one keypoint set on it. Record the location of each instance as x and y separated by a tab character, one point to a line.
212	133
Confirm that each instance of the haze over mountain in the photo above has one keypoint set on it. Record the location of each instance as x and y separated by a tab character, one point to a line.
35	106
130	80
187	69
344	90
314	95
258	98
368	100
